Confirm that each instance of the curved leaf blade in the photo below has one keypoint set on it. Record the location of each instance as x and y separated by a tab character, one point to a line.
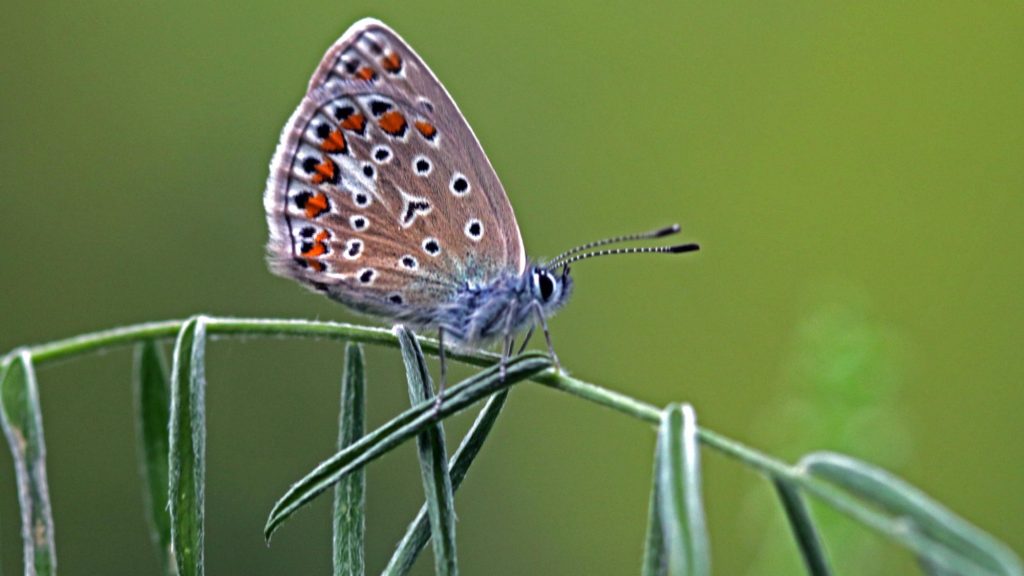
418	532
939	531
680	503
800	521
654	542
187	450
433	455
401	428
350	492
22	421
152	395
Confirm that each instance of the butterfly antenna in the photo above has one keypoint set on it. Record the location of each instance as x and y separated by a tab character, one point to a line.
679	249
659	233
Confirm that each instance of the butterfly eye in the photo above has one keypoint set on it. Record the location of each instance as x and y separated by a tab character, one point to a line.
543	284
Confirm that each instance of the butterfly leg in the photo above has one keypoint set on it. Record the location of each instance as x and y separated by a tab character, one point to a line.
526	340
510	343
547	335
509	340
444	373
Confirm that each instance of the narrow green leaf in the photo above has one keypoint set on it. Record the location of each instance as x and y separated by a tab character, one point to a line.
418	533
152	421
679	494
654	544
349	492
187	479
932	568
22	422
437	484
800	521
940	533
398	430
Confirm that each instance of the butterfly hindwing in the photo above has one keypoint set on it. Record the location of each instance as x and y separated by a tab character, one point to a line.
380	194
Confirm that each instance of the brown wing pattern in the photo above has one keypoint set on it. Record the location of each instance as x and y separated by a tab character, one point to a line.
379	192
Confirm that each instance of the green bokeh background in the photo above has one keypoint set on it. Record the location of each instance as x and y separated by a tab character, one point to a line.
854	171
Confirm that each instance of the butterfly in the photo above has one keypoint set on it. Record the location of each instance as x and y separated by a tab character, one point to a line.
381	197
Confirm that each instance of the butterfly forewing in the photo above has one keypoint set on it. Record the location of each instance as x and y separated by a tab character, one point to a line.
379	193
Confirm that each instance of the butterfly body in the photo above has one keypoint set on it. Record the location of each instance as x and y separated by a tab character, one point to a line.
479	315
381	197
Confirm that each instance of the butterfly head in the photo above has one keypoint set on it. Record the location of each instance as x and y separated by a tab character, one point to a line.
549	288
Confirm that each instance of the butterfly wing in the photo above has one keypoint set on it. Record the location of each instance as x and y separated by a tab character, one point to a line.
379	193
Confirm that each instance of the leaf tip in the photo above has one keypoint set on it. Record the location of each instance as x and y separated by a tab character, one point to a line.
268	530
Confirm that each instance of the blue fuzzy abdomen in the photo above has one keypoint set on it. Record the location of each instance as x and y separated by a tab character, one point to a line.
480	315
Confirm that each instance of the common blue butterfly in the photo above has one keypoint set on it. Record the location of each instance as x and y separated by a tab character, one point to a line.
381	197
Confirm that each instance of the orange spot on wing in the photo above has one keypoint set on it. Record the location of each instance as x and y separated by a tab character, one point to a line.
355	122
334	143
316	206
326	171
366	73
426	129
393	123
392	63
317	248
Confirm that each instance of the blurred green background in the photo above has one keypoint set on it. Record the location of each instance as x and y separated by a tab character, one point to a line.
854	171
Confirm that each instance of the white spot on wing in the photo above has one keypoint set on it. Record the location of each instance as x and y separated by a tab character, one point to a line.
382	154
431	246
354	181
366	276
422	166
412	208
474	230
353	249
459	184
359	222
408	262
361	199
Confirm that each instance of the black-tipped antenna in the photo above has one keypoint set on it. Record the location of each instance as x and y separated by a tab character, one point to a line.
679	249
659	233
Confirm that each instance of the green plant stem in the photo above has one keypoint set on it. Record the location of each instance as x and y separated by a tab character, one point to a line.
216	327
86	343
